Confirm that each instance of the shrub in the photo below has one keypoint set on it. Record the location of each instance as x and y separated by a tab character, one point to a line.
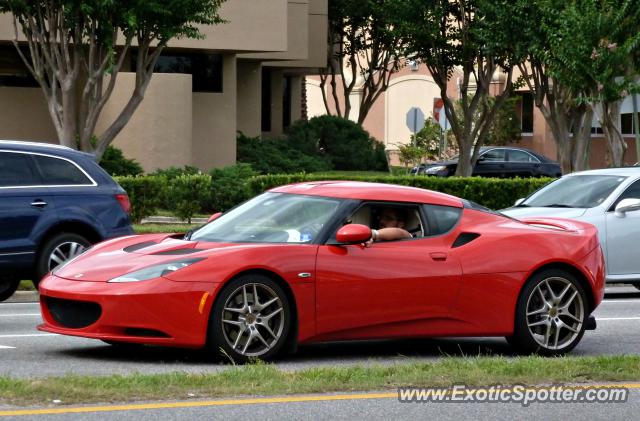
494	193
187	193
346	144
114	162
144	193
173	172
229	186
277	156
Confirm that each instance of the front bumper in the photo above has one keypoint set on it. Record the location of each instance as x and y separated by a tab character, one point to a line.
157	311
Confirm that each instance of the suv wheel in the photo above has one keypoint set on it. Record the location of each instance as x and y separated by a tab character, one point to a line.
57	250
8	286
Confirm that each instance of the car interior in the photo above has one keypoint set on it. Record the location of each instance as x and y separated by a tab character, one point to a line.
369	213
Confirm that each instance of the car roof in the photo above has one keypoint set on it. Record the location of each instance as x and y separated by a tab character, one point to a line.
625	171
370	191
42	147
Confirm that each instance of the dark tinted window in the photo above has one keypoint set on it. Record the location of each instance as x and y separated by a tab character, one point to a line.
526	111
632	192
521	156
494	155
57	171
15	170
13	71
205	69
441	219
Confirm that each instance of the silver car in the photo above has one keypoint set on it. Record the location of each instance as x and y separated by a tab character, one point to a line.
608	199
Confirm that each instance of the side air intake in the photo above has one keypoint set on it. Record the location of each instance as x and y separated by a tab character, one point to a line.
464	238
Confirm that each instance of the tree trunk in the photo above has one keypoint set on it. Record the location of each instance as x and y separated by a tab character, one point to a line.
582	140
559	125
611	128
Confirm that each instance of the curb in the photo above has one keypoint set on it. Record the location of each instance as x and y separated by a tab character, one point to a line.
171	220
24	297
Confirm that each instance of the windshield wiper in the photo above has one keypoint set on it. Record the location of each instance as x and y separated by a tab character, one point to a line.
558	205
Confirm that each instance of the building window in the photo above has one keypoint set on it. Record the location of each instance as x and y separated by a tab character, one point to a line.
13	71
626	123
286	102
266	100
525	106
205	69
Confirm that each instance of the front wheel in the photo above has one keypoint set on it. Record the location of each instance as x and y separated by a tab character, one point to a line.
57	250
250	319
550	314
8	286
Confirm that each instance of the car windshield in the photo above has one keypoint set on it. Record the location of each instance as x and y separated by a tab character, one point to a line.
271	218
578	191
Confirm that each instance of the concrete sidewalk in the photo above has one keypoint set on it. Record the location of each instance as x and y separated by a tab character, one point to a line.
171	220
24	297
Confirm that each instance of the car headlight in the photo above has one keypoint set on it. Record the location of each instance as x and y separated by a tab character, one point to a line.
436	169
156	271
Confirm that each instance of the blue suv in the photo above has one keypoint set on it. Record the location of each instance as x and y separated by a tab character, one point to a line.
54	203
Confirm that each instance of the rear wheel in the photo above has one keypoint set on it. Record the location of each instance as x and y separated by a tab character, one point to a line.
550	314
57	250
8	286
250	319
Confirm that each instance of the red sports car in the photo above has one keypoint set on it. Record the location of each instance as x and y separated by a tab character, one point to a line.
297	265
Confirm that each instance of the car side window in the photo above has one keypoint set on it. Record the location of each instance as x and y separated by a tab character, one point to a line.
56	171
494	155
16	170
520	156
376	216
632	192
441	219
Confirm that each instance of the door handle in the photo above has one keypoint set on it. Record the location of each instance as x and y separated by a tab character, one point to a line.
438	257
38	203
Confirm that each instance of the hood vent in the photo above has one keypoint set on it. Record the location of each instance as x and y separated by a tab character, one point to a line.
139	246
464	238
176	252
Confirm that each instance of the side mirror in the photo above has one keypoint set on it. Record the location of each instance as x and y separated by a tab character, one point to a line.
481	158
353	234
214	217
519	201
627	205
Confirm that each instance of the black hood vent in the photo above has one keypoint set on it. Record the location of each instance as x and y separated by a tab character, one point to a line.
176	252
139	246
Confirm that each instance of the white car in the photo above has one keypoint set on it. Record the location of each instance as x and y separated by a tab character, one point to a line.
608	199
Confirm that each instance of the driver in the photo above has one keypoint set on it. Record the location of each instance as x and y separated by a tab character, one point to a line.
391	226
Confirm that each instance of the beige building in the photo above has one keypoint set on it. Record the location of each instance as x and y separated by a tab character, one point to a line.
246	75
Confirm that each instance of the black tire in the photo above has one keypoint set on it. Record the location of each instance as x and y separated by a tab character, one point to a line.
8	286
221	334
528	340
42	263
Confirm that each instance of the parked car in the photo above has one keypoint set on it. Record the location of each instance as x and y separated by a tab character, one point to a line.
498	161
54	203
289	267
608	199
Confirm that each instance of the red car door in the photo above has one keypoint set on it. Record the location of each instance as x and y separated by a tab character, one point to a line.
390	289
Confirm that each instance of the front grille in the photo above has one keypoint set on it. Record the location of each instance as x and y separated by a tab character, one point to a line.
73	314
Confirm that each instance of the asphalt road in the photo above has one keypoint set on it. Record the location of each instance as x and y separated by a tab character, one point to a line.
25	352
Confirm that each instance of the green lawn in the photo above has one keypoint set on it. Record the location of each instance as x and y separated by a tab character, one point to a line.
264	379
160	228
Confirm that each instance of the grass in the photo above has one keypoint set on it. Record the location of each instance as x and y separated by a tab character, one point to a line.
265	379
26	286
164	212
160	228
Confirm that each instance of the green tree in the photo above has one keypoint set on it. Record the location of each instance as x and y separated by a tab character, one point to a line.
598	42
76	49
362	48
459	40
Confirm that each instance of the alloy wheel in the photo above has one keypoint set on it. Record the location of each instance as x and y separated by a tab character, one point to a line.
253	319
63	252
555	313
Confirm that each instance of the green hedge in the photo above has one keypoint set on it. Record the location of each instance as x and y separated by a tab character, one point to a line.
145	194
494	193
227	187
